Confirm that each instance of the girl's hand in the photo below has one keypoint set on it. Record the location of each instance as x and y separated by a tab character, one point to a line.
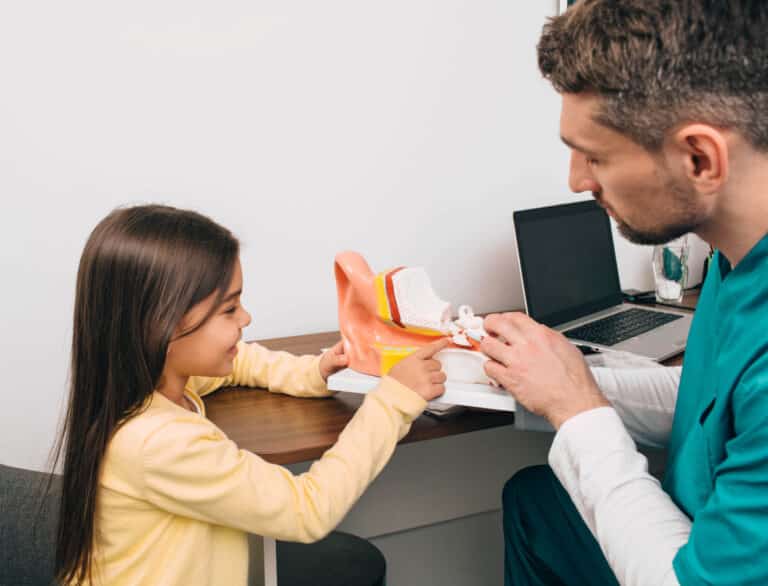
421	373
333	360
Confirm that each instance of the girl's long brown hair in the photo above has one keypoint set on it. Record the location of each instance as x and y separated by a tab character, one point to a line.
142	269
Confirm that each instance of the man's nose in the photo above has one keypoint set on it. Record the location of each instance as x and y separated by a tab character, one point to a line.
580	177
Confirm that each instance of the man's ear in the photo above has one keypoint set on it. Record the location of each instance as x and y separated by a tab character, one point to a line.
702	152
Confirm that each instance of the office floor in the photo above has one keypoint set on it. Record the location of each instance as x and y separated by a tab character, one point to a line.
441	555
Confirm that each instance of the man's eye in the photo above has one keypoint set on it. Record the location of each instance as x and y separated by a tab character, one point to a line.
592	162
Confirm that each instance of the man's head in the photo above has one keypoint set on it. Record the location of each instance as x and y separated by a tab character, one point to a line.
658	95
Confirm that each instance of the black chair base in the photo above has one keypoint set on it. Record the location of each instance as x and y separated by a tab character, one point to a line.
340	559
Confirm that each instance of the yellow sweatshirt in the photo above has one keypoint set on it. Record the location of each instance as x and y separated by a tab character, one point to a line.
177	497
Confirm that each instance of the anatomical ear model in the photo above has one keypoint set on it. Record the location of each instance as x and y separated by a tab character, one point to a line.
385	317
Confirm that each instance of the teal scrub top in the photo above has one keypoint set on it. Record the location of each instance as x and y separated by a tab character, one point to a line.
718	465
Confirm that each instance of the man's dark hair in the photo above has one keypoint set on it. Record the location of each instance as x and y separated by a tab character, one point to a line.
659	63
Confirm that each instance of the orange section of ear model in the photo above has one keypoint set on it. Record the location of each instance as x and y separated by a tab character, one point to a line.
369	318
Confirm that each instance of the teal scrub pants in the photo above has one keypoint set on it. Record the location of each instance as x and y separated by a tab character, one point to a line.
545	540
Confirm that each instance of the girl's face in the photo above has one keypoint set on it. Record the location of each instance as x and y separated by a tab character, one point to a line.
211	349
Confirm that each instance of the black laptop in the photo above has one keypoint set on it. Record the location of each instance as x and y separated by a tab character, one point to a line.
571	283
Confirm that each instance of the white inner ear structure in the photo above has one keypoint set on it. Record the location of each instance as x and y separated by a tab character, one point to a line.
418	304
420	308
464	366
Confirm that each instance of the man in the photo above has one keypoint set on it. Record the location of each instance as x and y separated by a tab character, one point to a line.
665	110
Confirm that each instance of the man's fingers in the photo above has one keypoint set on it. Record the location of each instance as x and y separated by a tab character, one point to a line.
433	348
433	365
510	326
494	349
498	373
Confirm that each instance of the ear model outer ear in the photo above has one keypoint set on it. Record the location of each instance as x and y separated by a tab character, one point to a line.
376	337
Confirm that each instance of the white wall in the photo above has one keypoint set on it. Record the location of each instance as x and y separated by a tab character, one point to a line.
409	130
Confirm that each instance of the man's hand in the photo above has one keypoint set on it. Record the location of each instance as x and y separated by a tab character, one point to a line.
421	372
333	360
539	367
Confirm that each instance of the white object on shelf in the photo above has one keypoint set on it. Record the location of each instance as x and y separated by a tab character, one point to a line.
669	290
456	393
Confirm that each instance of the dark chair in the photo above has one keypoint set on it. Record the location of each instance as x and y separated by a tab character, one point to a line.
28	533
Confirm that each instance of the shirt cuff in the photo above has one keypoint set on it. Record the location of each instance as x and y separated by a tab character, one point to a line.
317	384
588	431
402	398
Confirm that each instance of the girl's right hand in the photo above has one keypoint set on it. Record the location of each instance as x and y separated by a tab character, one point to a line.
421	373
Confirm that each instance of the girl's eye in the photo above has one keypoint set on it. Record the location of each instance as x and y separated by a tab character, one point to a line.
232	309
592	162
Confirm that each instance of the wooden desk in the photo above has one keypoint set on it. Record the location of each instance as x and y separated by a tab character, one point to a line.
286	430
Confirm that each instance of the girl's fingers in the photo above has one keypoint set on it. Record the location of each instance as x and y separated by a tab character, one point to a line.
428	351
438	377
439	389
433	365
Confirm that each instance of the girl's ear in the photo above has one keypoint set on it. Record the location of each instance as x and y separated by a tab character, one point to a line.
180	329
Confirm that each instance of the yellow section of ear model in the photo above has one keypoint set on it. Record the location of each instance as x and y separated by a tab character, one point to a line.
391	355
382	305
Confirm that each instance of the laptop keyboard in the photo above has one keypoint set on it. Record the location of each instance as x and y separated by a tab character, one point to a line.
620	326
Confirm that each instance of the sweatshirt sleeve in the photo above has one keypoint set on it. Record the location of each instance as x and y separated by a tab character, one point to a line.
638	526
278	372
644	399
190	468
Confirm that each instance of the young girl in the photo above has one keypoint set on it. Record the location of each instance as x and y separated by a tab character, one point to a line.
153	492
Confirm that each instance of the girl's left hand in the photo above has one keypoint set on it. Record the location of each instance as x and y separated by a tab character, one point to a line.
333	360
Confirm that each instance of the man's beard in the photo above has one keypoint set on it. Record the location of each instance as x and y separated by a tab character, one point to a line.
661	235
682	208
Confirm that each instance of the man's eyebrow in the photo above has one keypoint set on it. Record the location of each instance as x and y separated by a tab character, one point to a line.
232	295
576	147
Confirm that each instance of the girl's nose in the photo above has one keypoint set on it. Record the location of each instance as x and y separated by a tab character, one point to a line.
245	319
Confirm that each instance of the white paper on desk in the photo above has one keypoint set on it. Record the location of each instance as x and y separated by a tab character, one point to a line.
469	395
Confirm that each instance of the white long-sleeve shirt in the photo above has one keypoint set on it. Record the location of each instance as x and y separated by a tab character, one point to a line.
635	522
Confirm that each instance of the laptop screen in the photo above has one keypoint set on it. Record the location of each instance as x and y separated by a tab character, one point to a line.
567	261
